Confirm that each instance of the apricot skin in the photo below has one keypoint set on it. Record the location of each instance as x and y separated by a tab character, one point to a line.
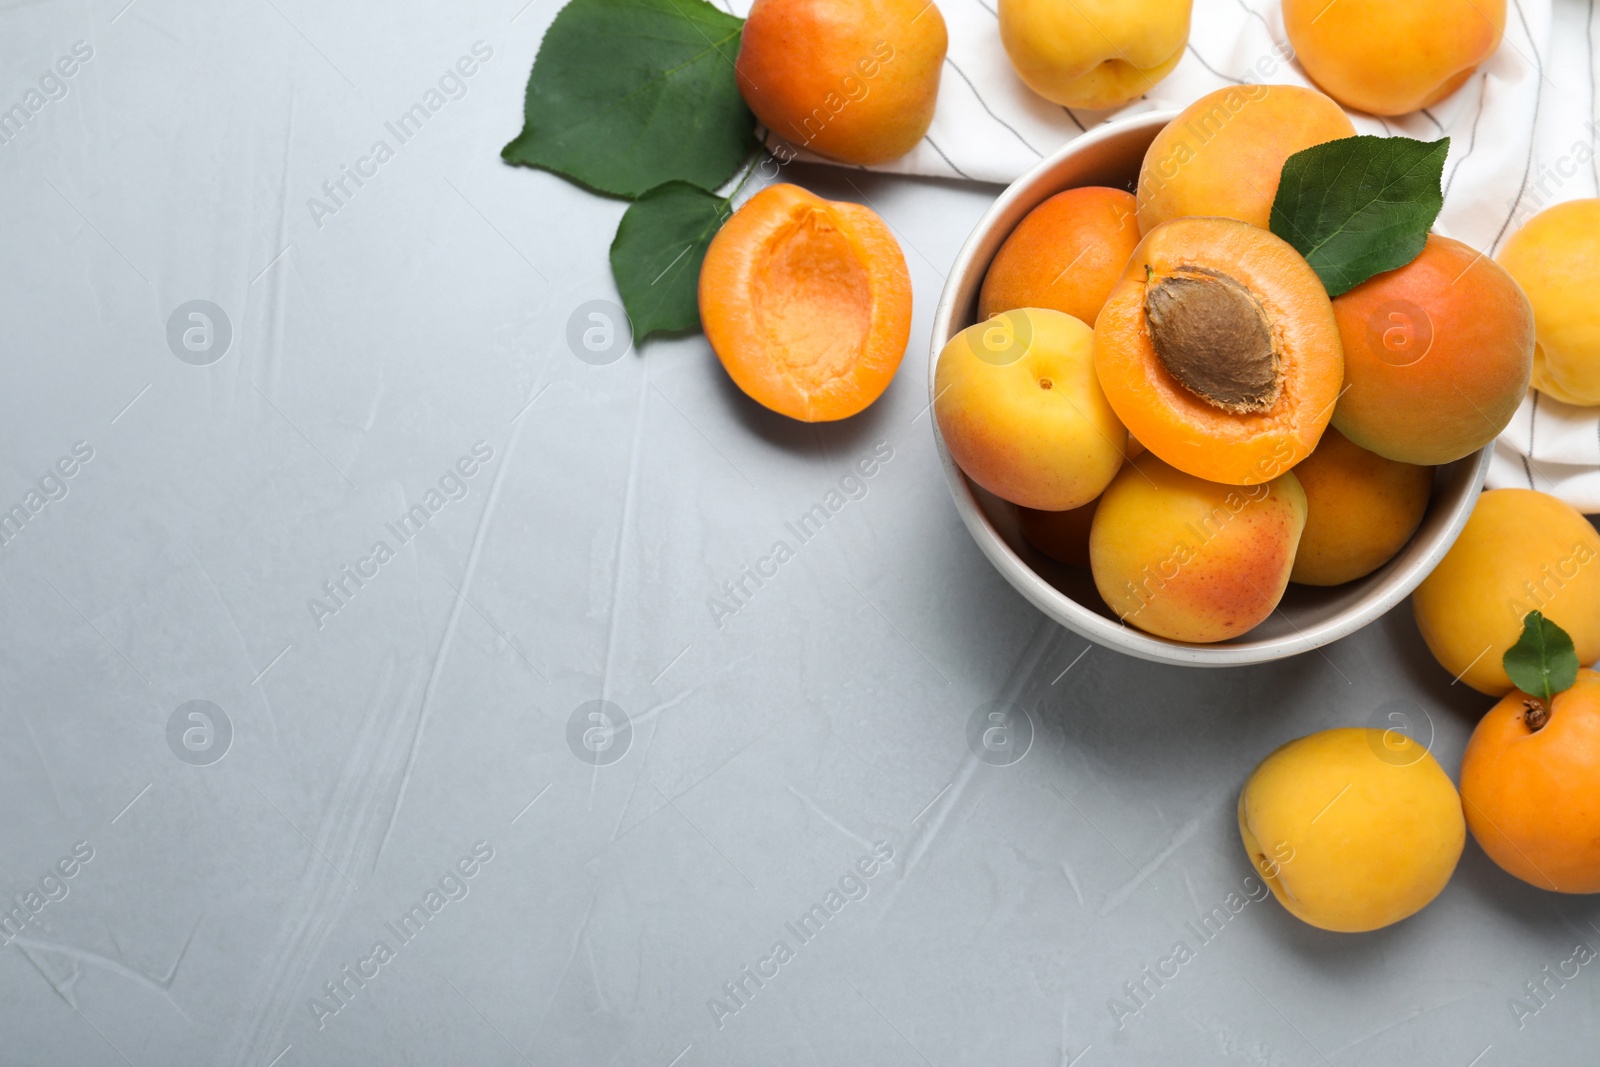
1061	535
1174	423
807	303
1362	510
1555	257
1392	58
1191	560
1363	827
1018	405
853	80
1532	798
1223	155
1094	53
1520	551
1438	355
1066	254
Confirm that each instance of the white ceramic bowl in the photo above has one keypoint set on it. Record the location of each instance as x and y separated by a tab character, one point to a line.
1307	618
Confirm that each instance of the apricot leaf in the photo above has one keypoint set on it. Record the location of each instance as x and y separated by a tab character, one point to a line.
628	94
1360	206
1543	662
656	255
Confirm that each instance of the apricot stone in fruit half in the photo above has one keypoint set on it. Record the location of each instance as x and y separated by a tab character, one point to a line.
1363	827
1520	551
1020	409
1391	58
1362	509
1437	355
1066	254
807	303
853	80
1530	783
1555	257
1218	350
1191	560
1223	155
1094	53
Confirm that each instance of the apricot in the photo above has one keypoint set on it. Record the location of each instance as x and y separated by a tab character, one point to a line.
1192	560
1020	409
1555	257
1437	355
1520	551
853	80
1066	254
1362	509
1530	783
1094	53
1362	825
1061	535
807	303
1218	350
1391	58
1224	153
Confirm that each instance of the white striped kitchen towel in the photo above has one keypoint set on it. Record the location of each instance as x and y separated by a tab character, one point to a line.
1523	134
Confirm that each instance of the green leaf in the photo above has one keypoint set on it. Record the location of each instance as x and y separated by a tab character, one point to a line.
1543	662
656	255
628	94
1360	206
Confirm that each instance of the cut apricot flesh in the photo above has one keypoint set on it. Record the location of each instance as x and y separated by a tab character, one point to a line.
807	303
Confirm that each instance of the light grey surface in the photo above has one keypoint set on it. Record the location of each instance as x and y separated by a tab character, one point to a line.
768	754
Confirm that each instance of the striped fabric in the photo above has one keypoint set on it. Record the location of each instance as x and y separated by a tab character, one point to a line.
1523	130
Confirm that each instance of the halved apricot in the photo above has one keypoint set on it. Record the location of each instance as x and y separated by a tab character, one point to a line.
807	303
1219	351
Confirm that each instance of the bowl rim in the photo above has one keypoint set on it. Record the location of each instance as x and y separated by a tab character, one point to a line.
1088	623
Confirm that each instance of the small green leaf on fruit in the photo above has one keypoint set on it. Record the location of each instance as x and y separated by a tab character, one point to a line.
1543	662
656	255
628	94
1360	206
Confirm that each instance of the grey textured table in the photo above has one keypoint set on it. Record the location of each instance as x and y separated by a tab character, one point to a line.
375	841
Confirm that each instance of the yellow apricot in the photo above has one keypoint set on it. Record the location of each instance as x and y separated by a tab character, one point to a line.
1353	829
1520	551
1555	257
1361	510
1094	53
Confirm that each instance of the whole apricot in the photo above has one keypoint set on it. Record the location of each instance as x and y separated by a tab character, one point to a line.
1018	405
1065	254
1061	535
1218	350
853	80
1437	355
1094	53
1555	257
1391	58
1361	510
807	303
1520	551
1530	783
1363	826
1191	560
1223	155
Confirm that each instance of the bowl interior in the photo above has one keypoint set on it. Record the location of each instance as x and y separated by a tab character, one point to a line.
1307	617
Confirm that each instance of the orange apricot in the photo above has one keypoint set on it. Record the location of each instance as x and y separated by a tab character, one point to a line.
1362	509
1530	784
1390	58
1061	535
1438	354
1555	257
1066	254
1217	349
854	80
807	303
1223	155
